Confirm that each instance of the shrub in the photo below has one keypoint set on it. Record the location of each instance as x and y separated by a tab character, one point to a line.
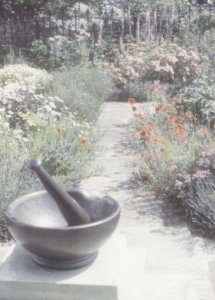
23	98
36	78
200	99
168	63
58	51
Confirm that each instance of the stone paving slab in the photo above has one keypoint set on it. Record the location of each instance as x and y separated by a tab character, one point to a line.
117	267
46	291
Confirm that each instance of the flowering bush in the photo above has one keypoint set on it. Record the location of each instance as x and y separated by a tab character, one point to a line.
173	63
23	100
166	62
36	78
175	152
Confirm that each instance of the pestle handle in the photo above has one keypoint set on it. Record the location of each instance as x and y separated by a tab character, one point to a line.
68	206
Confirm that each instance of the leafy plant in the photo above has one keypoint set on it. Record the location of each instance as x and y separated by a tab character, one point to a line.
58	51
24	99
64	147
37	123
200	99
39	79
83	89
199	204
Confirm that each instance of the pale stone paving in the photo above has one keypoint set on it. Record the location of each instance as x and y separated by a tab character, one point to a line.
166	261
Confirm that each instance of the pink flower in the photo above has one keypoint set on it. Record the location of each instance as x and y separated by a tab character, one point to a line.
200	174
178	184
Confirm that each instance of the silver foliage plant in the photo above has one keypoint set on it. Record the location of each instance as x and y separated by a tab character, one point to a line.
200	205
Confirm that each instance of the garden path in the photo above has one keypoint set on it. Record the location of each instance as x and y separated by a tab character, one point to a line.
168	262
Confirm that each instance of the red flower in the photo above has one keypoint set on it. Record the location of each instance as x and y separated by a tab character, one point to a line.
153	90
131	101
188	114
175	100
203	130
143	133
149	157
139	116
84	141
58	130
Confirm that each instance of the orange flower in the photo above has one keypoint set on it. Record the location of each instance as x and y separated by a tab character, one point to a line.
170	119
188	114
155	140
139	116
163	107
175	100
150	124
149	157
178	119
58	130
153	90
84	141
143	133
202	130
134	108
131	101
174	119
159	107
180	131
167	108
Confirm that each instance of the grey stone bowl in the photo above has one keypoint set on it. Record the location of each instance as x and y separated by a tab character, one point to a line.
37	224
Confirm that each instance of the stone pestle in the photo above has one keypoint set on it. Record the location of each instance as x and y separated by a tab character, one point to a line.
73	213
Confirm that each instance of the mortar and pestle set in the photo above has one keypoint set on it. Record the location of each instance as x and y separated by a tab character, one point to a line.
61	229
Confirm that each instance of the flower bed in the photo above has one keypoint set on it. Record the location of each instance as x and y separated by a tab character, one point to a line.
141	64
176	155
35	122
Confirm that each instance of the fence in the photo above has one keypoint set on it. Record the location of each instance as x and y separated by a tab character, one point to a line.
17	31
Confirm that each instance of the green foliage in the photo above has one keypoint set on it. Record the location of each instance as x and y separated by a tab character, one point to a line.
58	52
200	99
137	89
61	149
206	47
15	179
39	79
83	89
199	205
4	51
137	4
